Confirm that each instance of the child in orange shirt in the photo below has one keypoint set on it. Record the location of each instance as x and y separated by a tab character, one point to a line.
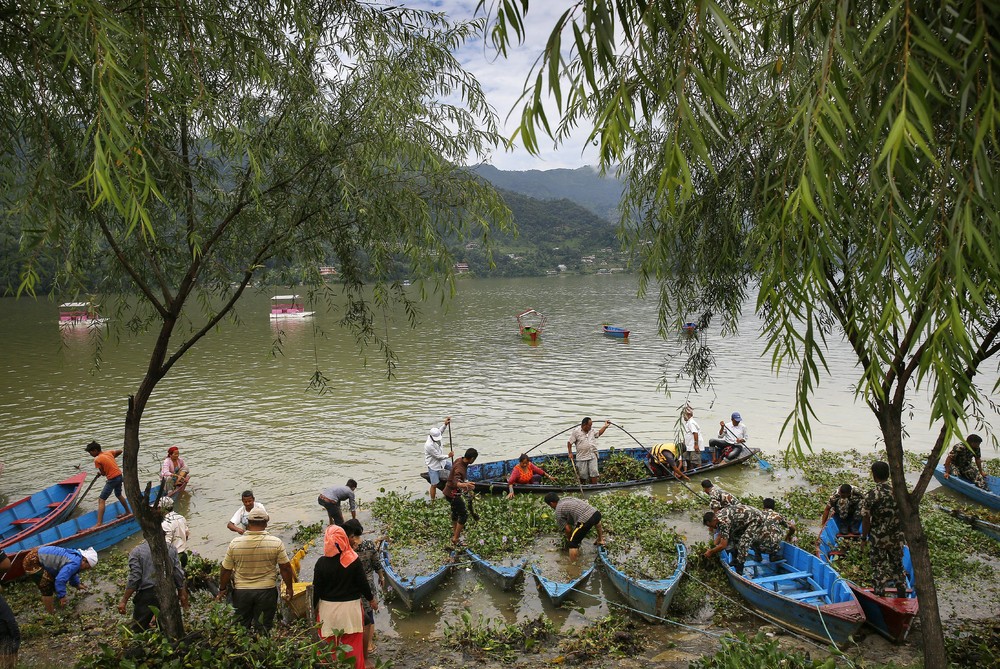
105	463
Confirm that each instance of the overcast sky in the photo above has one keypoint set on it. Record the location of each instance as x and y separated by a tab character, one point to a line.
503	80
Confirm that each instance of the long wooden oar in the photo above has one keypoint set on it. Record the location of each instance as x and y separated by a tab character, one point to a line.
92	482
551	438
764	464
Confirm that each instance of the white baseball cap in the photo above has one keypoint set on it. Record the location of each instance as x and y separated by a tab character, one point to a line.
435	434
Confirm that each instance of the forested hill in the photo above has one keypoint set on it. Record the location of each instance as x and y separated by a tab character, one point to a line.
583	186
550	233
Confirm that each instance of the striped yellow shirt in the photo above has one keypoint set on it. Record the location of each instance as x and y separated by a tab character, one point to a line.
254	558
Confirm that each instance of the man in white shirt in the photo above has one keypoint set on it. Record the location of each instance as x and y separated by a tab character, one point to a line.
435	458
732	439
238	523
692	440
175	529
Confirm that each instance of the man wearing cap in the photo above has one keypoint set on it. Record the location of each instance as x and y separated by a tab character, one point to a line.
141	582
732	438
238	523
252	563
175	529
330	498
60	566
106	466
966	459
435	459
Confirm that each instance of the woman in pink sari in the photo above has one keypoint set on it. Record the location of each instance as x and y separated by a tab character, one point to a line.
339	583
174	472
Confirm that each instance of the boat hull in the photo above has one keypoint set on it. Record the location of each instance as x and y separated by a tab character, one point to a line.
889	616
412	591
79	532
501	576
25	517
834	615
989	497
559	591
649	598
992	530
492	476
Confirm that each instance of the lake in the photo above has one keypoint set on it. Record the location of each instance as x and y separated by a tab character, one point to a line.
243	416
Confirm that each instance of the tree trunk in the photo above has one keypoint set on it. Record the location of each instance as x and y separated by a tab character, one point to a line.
169	618
932	632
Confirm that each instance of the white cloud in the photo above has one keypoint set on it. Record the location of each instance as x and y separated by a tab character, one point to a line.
503	81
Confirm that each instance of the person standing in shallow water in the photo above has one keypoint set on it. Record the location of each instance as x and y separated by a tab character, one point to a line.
105	463
457	484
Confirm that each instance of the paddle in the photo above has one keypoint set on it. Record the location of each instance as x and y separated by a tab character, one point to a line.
551	438
764	464
92	482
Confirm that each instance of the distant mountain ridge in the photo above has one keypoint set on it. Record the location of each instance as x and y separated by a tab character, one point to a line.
584	186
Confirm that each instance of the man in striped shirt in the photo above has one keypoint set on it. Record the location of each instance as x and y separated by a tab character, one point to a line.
252	563
575	517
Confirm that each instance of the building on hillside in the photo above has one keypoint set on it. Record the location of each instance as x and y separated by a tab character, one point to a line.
328	271
461	268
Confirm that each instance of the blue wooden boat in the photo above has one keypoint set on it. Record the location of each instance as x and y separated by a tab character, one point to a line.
21	519
651	598
992	530
492	476
502	576
800	592
615	332
78	532
890	616
989	497
413	590
558	591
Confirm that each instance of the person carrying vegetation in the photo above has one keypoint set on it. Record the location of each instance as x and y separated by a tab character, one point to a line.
60	567
576	518
732	439
717	497
966	458
525	472
844	506
881	529
730	525
585	439
663	461
105	463
238	523
330	498
435	459
368	556
457	483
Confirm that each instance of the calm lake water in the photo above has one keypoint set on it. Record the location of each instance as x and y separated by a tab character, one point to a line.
244	418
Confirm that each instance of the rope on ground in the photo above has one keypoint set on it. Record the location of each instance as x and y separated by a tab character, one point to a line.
777	624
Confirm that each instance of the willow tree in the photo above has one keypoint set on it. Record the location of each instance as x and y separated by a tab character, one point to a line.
839	157
193	147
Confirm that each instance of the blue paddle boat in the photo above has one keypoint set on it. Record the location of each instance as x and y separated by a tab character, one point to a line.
413	590
615	332
558	591
502	576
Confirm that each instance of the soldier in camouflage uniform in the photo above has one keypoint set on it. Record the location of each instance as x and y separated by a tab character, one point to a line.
731	525
845	507
880	524
966	459
767	535
717	497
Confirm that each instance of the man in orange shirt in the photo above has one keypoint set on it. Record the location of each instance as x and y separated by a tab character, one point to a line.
106	465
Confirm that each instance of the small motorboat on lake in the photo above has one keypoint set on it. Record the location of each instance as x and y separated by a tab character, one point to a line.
614	332
288	306
530	324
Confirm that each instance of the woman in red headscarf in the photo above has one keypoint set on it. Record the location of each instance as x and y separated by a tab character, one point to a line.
339	583
174	472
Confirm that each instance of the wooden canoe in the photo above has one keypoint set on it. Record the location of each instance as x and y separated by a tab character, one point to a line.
649	597
799	592
615	332
492	476
79	532
992	530
504	577
558	591
889	616
21	519
413	590
989	497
